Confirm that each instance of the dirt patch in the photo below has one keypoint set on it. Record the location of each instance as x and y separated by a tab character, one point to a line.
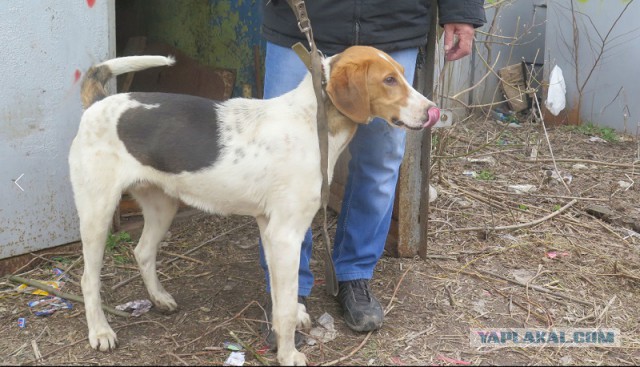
574	269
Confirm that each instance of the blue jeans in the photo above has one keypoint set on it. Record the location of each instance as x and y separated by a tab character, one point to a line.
376	153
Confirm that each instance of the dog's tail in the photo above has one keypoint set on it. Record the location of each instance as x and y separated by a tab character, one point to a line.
92	89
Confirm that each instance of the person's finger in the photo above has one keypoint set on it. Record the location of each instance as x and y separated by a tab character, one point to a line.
462	48
449	33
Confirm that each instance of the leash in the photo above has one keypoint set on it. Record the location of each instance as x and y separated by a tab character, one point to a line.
313	61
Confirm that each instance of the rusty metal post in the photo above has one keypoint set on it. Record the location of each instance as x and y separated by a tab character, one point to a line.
412	183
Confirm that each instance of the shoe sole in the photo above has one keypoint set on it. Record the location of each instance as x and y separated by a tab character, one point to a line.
368	325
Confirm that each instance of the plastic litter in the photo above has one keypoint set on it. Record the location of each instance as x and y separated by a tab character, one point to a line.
522	189
234	359
563	176
324	333
49	305
470	173
556	100
625	185
433	194
522	275
555	254
597	139
232	346
138	307
22	323
59	273
23	288
508	118
462	202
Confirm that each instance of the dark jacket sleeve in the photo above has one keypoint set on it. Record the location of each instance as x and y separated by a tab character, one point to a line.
462	11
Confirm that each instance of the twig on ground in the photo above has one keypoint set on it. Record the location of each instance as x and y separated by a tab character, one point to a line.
36	350
184	257
534	287
573	160
177	357
395	290
343	358
514	226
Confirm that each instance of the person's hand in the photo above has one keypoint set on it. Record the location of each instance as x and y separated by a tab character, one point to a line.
462	48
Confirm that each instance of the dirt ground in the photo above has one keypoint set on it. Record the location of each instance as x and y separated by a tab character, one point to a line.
578	267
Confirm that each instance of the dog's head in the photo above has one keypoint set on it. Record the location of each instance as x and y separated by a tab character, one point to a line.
364	83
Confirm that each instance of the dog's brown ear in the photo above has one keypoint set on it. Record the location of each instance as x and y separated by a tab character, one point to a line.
347	89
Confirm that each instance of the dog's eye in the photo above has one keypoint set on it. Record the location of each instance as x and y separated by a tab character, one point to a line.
390	81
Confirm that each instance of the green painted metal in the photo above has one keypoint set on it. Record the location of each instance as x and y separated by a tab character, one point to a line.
217	33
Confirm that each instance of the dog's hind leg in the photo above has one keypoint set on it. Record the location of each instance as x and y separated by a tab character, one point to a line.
95	209
158	210
282	238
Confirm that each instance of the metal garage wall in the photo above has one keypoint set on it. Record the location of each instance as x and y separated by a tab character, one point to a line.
45	46
611	94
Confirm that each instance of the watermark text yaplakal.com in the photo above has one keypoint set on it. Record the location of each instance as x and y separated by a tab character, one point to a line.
556	337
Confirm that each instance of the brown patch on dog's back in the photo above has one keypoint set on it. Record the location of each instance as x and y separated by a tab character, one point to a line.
92	89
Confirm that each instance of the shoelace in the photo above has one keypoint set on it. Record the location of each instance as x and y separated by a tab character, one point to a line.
361	291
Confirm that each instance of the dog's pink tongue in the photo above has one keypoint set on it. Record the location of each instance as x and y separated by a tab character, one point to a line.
434	116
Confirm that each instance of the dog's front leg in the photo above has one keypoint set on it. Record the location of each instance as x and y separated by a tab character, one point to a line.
282	252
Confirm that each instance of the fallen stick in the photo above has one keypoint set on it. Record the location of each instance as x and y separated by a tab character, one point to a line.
514	226
535	287
546	196
73	297
574	160
336	361
395	290
184	257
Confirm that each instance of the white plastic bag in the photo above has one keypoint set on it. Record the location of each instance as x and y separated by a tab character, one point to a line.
556	100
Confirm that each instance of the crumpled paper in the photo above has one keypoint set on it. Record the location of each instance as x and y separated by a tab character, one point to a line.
138	307
324	333
235	359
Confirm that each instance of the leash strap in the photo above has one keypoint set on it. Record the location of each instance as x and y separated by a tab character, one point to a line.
313	61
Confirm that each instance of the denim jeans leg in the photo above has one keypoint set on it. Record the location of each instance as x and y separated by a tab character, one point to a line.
283	72
376	151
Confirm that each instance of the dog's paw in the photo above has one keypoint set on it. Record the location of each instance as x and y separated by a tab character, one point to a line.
164	302
294	358
303	320
103	339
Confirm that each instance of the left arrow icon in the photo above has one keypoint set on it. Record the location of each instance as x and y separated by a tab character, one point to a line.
16	182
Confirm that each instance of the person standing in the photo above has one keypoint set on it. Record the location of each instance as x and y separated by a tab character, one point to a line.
397	27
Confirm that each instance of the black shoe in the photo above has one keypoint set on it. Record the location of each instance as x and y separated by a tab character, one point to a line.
270	338
362	311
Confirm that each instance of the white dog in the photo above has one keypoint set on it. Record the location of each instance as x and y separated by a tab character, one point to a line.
241	156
